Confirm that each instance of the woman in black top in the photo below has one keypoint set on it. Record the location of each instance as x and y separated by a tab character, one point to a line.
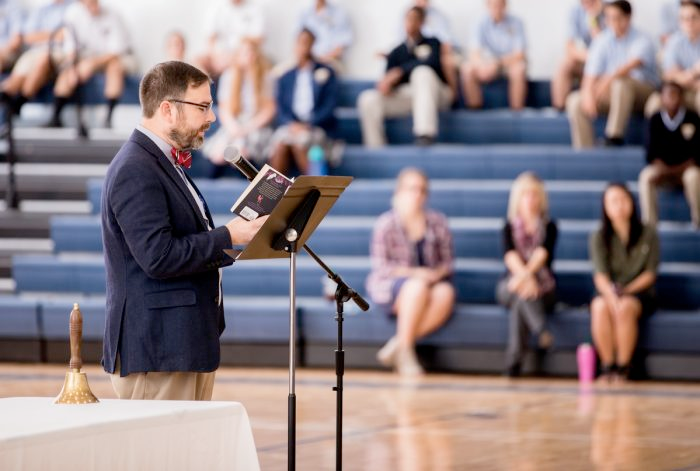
528	289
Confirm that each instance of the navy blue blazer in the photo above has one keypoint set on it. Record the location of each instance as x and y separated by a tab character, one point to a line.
325	86
163	311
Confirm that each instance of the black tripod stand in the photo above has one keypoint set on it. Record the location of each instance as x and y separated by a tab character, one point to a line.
287	241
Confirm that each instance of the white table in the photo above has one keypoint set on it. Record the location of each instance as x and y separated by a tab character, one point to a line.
36	434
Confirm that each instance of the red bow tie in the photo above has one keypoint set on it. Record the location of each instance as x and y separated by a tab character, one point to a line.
182	157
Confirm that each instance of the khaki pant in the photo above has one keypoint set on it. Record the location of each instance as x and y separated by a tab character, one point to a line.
653	176
626	95
178	386
691	101
424	96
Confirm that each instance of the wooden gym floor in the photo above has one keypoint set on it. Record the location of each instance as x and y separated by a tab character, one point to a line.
445	422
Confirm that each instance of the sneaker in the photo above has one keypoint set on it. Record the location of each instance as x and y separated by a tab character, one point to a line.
387	354
424	141
513	371
407	363
614	142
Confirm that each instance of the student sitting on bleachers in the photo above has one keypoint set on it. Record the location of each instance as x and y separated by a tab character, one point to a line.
625	256
669	20
11	19
306	98
412	265
619	77
42	37
528	290
681	59
415	82
96	41
175	46
229	22
673	155
498	48
331	25
586	22
246	109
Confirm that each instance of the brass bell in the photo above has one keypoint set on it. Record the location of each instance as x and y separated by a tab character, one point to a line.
75	387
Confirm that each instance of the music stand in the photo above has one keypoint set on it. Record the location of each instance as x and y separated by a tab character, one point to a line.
290	224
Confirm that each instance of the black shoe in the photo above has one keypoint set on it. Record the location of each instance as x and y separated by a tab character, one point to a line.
513	371
608	373
54	123
424	141
82	131
614	142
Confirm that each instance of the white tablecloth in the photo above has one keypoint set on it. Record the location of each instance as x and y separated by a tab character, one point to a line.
36	434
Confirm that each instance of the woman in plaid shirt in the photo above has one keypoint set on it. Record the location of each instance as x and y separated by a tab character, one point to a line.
412	264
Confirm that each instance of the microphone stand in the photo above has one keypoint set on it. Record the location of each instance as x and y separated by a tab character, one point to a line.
343	294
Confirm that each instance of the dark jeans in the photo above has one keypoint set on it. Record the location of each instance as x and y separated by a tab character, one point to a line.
526	316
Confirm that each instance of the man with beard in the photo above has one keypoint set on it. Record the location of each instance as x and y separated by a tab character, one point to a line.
163	256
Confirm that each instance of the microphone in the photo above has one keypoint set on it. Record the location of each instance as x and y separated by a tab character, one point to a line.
233	156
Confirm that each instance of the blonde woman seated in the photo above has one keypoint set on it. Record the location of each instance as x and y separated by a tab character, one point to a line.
528	290
625	255
246	109
412	265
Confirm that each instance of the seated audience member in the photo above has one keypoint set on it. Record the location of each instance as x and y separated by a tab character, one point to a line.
586	22
415	82
619	76
528	290
669	19
96	41
175	46
11	19
229	23
681	59
436	25
331	26
41	37
625	256
673	155
498	48
306	98
412	265
246	105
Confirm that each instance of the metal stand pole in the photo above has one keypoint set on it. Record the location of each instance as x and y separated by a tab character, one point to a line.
291	236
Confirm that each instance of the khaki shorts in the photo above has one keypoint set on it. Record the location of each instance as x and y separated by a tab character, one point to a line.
30	58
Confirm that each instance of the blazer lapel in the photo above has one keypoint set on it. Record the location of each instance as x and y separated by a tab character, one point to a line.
169	169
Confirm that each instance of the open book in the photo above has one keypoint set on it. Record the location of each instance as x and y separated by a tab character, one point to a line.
262	194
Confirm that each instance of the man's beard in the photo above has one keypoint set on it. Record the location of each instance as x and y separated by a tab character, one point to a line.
185	138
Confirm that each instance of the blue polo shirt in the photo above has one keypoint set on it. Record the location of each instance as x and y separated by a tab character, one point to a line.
608	53
499	39
681	53
580	25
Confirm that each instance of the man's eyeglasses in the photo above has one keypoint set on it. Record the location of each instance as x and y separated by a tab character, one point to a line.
201	106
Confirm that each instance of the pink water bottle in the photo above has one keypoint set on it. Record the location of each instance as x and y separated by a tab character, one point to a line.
585	357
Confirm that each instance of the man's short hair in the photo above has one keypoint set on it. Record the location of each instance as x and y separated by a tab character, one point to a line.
691	3
420	11
672	85
168	80
623	5
309	32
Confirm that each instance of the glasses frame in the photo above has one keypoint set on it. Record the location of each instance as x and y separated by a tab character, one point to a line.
204	108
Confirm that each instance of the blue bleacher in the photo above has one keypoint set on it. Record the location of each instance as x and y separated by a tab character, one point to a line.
456	198
470	183
475	278
351	237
